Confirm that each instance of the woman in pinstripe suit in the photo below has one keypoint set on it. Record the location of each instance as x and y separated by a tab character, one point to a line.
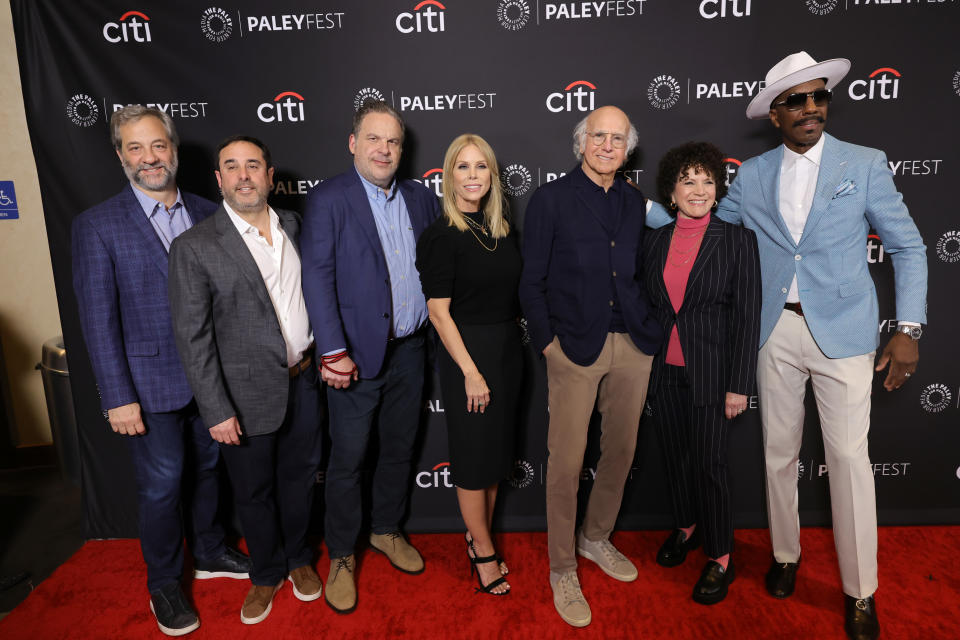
703	278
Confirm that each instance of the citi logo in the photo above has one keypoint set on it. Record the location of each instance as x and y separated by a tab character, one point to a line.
132	26
433	179
883	84
874	249
711	9
576	96
430	19
286	107
436	478
731	166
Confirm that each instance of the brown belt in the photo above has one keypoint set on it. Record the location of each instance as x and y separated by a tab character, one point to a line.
795	307
301	366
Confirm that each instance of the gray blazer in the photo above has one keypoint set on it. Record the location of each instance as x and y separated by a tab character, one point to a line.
226	329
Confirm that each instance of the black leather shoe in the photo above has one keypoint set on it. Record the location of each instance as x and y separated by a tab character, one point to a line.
674	549
782	578
232	564
175	616
861	620
712	586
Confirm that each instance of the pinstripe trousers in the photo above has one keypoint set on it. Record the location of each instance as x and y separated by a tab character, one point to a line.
694	444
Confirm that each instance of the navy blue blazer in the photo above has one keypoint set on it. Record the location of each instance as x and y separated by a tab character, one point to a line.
346	285
120	280
569	258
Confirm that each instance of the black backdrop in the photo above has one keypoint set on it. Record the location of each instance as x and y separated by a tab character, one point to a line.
520	73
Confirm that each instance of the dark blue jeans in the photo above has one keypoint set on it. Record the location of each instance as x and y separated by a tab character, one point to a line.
273	477
175	463
392	400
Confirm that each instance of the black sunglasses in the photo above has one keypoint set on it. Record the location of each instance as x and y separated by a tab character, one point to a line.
796	101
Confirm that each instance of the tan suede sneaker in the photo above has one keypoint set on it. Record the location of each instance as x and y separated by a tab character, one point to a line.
401	553
306	583
258	603
341	592
568	599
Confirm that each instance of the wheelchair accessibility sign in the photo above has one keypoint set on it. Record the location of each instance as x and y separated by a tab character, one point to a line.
8	201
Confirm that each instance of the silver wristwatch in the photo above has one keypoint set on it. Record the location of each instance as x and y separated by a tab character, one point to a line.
912	331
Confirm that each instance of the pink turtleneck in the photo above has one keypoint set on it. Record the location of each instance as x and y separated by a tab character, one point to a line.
684	247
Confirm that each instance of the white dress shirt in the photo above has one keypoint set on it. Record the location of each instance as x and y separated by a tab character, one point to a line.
279	265
798	183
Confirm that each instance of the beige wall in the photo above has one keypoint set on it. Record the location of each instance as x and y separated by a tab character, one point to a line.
28	302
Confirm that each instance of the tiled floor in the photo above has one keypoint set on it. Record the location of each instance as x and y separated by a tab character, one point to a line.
40	528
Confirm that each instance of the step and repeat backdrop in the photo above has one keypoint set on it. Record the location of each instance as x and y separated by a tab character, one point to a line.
521	73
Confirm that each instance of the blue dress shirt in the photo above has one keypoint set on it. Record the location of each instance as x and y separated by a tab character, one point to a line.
167	222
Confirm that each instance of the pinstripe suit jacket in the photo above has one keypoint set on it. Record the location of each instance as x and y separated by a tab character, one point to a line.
719	320
227	330
120	280
854	192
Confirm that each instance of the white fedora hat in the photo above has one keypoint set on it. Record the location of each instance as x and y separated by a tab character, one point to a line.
795	69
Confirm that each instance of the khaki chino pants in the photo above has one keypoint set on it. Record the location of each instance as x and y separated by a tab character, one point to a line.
842	389
617	383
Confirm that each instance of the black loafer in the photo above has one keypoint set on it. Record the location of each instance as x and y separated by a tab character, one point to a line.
674	550
782	578
712	586
170	606
861	618
232	564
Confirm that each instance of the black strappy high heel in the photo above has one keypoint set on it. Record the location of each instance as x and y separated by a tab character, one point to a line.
474	561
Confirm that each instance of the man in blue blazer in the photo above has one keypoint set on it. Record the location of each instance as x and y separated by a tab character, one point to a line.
368	315
812	202
588	314
120	252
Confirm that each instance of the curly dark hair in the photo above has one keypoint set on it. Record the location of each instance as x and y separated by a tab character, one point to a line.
691	155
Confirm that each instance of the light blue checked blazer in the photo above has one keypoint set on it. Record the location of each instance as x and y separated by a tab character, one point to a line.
855	192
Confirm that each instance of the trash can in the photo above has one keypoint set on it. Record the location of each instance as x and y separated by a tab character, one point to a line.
63	420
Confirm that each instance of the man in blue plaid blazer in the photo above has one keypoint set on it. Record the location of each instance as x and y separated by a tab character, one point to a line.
120	249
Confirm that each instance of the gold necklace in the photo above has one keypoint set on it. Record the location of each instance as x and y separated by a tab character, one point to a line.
471	225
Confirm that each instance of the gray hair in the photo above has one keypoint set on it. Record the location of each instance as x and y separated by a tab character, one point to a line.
580	134
134	113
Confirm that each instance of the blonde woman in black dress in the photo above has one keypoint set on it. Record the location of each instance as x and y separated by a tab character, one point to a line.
469	265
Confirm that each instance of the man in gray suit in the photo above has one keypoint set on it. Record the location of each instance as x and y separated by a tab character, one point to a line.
246	345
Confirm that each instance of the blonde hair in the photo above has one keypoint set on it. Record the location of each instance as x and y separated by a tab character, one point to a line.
493	204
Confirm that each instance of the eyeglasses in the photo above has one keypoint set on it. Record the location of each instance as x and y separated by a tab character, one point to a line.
796	101
618	140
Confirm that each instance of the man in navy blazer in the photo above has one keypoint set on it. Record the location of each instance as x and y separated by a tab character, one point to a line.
120	250
587	312
812	201
368	314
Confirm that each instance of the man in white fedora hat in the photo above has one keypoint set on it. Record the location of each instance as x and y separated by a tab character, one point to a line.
812	201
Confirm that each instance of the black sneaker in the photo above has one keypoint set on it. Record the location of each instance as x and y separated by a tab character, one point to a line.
232	564
175	616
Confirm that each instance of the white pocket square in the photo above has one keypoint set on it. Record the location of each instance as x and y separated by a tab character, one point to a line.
845	188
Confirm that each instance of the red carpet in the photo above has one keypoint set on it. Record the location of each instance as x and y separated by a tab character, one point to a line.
101	593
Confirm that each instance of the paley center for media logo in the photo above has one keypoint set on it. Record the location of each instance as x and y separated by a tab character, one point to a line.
936	397
216	24
133	26
427	16
82	110
448	102
881	84
956	83
367	93
513	15
592	9
821	7
286	107
948	247
663	92
516	180
522	475
579	95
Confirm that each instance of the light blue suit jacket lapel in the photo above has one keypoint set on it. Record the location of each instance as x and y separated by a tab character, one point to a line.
833	166
769	172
